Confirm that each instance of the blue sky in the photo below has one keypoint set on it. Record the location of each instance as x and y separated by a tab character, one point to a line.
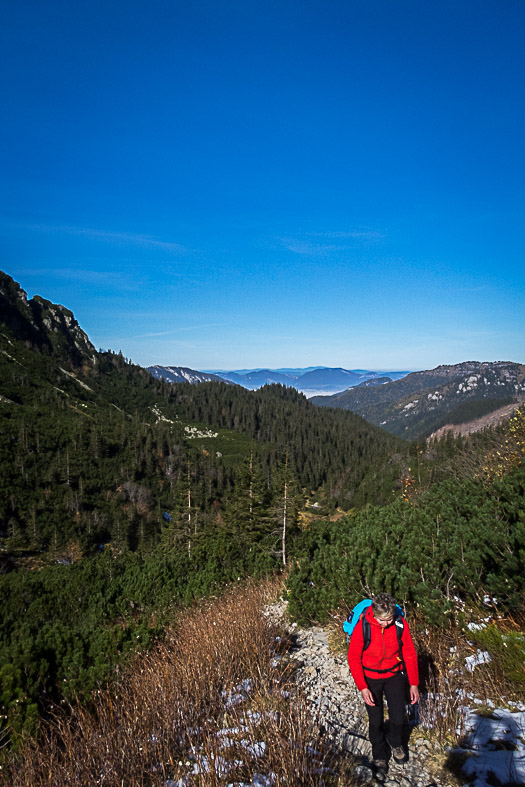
247	184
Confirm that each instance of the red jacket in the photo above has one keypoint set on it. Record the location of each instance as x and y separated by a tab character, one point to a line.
382	653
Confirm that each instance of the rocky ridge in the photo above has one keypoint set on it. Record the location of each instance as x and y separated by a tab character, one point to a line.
43	326
337	705
422	402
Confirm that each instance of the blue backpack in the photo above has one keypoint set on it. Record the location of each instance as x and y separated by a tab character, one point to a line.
358	613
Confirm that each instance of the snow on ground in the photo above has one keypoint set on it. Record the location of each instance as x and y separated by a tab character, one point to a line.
496	745
481	657
199	765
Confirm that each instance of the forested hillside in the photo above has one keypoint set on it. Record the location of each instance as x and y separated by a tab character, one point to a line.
460	541
422	402
94	449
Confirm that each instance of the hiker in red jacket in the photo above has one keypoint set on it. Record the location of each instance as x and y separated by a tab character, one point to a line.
378	670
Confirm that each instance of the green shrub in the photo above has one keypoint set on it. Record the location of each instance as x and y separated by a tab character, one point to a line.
457	542
506	650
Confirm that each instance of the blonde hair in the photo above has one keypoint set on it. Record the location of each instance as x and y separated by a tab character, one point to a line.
384	605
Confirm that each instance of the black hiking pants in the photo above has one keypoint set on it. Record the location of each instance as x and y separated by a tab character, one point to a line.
393	689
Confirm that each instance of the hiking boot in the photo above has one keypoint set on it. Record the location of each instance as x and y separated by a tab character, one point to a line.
398	753
381	769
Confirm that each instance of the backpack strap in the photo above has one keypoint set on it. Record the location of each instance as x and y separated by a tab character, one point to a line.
400	627
367	632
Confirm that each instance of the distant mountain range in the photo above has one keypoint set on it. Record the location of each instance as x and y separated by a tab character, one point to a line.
311	381
423	402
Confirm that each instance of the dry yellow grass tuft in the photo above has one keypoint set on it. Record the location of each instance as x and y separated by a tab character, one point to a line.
213	704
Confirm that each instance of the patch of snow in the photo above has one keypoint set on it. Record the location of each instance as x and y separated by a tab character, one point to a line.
410	405
476	626
481	657
497	746
253	717
233	699
159	416
192	433
256	749
258	780
518	705
11	357
75	379
237	694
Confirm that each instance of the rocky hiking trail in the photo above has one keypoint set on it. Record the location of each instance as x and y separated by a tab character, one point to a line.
337	705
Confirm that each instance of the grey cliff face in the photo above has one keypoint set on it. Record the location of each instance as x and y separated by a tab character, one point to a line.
44	326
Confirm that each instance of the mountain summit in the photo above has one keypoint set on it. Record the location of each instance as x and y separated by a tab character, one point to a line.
44	326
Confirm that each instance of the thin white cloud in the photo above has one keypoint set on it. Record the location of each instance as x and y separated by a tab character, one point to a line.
179	330
150	335
108	236
354	234
86	275
309	249
320	247
201	327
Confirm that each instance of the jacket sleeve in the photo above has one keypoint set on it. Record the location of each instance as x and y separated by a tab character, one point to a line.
410	656
355	653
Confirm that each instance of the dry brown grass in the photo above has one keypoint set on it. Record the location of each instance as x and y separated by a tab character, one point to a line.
175	713
447	686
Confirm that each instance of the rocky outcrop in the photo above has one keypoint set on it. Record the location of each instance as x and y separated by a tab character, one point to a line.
44	326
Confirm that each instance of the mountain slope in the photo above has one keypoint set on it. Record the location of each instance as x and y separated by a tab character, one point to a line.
181	374
94	449
491	419
422	402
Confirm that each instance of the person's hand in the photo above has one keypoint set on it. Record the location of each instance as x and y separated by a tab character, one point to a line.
368	696
414	694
